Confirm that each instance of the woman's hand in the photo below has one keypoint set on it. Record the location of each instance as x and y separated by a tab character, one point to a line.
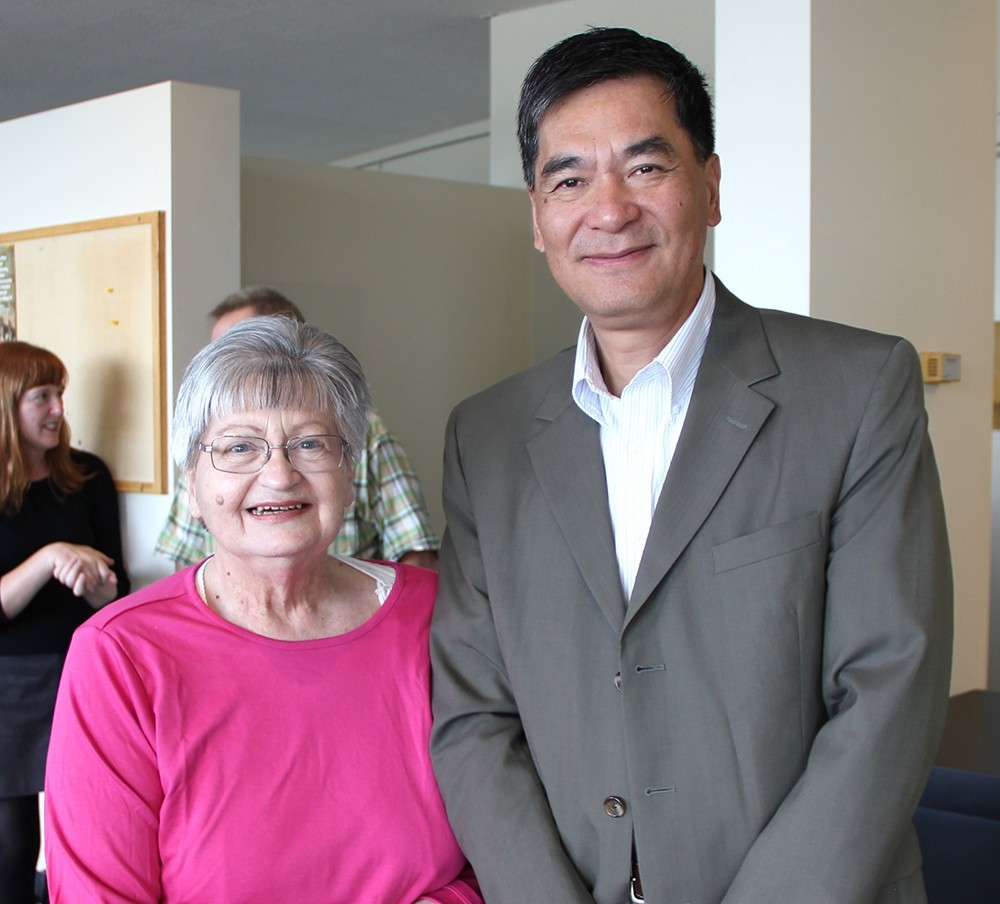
85	571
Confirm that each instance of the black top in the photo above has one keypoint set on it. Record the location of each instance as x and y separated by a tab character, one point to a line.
88	517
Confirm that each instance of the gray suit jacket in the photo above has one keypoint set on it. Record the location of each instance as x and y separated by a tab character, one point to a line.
767	703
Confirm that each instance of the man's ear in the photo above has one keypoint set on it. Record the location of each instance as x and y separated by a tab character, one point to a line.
713	176
539	244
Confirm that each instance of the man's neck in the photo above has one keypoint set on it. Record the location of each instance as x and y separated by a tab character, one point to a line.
621	359
625	349
622	353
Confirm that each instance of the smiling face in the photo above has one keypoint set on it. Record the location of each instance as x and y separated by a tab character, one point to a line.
622	205
277	511
40	419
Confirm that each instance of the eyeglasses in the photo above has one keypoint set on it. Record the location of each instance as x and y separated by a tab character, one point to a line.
249	454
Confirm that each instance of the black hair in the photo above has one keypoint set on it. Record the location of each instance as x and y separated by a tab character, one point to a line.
600	54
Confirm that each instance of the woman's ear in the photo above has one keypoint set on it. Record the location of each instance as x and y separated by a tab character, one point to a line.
193	506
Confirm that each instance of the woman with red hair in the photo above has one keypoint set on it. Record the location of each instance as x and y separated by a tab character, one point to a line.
60	559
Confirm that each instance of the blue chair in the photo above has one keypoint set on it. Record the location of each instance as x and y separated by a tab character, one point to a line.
958	824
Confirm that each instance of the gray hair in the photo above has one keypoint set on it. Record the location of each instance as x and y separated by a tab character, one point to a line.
270	362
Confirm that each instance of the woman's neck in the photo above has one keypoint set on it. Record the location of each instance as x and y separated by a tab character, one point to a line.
38	467
297	601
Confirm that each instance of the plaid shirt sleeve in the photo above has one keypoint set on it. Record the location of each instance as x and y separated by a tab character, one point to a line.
183	538
389	517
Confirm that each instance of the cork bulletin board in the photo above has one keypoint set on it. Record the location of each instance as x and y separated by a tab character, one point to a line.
93	293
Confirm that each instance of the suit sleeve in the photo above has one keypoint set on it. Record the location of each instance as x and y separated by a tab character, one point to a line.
843	832
495	800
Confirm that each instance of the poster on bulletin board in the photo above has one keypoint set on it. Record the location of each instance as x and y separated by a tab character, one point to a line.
7	322
93	293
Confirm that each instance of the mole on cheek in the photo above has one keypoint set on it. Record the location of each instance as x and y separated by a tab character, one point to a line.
219	500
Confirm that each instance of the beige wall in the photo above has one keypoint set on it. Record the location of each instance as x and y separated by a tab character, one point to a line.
902	227
428	282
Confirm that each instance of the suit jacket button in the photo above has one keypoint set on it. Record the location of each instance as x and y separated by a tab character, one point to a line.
618	680
614	807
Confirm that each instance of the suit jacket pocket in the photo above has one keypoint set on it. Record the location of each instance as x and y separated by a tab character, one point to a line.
768	543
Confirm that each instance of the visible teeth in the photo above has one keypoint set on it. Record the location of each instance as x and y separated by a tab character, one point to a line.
269	509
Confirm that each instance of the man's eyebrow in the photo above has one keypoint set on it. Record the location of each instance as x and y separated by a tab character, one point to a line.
653	144
558	165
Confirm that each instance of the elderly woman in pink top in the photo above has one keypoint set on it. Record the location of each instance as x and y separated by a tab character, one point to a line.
255	728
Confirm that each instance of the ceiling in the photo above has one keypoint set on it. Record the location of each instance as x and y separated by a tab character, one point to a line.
319	80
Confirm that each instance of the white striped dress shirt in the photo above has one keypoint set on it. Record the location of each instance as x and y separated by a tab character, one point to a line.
639	431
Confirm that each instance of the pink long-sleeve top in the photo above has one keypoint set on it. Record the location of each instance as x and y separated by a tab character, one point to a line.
193	761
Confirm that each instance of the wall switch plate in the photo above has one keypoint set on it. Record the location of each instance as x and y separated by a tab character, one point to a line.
941	367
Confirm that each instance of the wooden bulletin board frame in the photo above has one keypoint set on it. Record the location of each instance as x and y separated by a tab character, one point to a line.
94	293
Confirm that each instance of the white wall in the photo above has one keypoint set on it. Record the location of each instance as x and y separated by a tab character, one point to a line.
762	246
204	231
171	147
461	154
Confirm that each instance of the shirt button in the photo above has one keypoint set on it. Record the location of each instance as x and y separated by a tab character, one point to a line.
614	807
618	680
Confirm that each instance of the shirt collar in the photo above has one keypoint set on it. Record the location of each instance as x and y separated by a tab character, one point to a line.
683	351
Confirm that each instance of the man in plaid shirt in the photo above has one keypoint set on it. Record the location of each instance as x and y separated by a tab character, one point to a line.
389	518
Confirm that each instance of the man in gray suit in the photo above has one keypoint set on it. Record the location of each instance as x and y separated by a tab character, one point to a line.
693	636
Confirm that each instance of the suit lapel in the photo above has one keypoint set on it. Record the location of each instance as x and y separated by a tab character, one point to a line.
722	422
566	456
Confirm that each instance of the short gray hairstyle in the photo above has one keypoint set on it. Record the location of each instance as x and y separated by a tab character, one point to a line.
270	362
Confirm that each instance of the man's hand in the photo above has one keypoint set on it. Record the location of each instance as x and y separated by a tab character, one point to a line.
424	558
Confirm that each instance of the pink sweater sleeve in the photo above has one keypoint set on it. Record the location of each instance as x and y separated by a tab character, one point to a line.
102	786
